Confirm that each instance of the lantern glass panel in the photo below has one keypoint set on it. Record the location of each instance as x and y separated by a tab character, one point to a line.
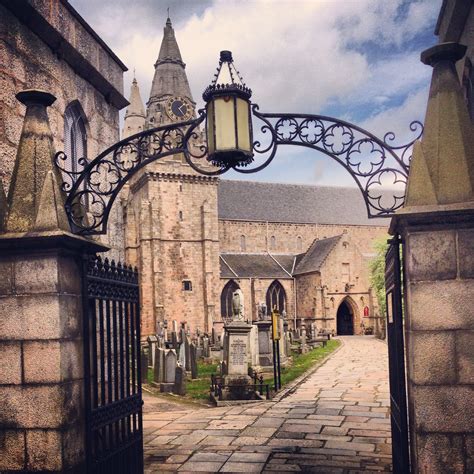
243	125
224	123
211	144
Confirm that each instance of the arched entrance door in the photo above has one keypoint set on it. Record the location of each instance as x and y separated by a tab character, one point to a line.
345	320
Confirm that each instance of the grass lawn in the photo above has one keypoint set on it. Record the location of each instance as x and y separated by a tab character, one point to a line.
303	362
198	389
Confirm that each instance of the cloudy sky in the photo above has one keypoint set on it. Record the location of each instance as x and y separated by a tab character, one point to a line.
353	59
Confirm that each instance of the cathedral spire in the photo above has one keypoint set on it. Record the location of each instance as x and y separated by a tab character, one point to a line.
135	114
169	81
169	51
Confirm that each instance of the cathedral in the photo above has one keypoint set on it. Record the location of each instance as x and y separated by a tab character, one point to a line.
196	239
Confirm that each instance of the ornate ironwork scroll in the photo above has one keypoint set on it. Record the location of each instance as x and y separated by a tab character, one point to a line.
378	166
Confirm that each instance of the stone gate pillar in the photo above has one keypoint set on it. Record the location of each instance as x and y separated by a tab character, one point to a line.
41	342
437	229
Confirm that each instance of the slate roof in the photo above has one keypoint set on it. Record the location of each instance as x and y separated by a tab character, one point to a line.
294	203
316	255
247	265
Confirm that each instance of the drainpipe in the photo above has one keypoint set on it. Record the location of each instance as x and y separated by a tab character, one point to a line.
296	301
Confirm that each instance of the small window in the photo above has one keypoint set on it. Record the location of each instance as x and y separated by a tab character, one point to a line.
346	276
299	244
242	243
187	285
272	242
180	215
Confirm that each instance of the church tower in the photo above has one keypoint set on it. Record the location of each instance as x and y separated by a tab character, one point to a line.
171	214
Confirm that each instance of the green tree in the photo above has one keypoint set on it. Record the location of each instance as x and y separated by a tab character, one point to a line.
377	273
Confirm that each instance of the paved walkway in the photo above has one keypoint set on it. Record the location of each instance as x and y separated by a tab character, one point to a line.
335	421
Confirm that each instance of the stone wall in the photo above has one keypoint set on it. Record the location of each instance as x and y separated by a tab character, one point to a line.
258	235
27	62
42	407
440	355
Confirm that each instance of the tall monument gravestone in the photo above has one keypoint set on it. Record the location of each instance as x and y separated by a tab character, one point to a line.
237	347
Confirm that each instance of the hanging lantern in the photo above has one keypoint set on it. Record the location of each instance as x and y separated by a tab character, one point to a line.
228	123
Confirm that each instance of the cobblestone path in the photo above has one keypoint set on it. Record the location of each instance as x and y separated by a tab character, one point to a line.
337	420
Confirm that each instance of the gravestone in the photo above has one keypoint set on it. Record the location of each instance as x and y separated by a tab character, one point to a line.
205	346
174	340
193	361
182	355
144	365
180	381
159	368
304	349
170	366
253	347
213	337
151	340
265	349
237	335
187	349
174	326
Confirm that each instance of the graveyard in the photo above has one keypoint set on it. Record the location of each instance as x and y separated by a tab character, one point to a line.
204	367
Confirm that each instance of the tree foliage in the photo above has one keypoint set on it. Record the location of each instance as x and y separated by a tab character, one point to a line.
377	273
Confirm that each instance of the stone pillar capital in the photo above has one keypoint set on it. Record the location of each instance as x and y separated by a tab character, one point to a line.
35	97
451	52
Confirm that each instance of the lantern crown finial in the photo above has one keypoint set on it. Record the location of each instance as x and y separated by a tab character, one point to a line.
227	80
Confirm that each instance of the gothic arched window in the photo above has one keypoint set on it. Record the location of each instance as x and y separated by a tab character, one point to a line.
75	136
276	297
243	246
226	298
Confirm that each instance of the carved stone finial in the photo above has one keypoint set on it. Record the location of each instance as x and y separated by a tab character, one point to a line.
34	160
442	167
51	213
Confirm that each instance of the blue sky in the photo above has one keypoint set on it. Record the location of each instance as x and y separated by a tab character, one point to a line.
353	59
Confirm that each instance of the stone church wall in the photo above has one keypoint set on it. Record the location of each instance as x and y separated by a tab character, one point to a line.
27	62
258	236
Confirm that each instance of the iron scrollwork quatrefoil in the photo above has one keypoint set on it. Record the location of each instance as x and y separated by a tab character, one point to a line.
378	166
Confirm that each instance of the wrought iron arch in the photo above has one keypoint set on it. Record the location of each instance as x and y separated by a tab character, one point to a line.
276	297
372	162
226	299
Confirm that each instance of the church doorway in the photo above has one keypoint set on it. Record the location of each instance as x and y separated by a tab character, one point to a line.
345	320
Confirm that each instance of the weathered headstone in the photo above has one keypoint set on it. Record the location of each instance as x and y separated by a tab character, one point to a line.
303	338
159	368
170	366
193	360
174	340
151	340
213	337
205	346
180	381
265	349
182	355
144	365
187	348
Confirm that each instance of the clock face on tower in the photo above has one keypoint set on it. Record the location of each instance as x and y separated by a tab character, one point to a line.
179	109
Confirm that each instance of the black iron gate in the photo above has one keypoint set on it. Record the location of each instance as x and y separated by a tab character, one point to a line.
113	395
396	358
